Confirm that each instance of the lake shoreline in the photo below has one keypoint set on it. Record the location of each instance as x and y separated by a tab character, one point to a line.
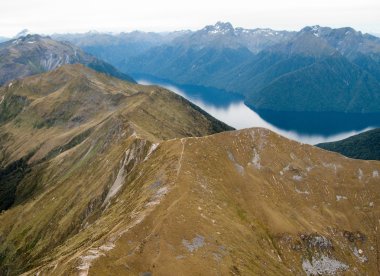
306	127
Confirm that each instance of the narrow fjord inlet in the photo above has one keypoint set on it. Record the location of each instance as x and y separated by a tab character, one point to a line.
138	139
307	127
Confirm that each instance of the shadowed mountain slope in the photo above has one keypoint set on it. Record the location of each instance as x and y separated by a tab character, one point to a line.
44	115
365	145
34	54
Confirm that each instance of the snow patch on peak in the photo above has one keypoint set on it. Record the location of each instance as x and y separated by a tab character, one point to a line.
220	28
315	30
315	27
242	31
223	25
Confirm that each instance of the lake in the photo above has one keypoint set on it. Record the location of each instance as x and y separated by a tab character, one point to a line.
305	127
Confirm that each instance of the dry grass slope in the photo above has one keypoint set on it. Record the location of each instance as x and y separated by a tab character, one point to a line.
72	133
125	191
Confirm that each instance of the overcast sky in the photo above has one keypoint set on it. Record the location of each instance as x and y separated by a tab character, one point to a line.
49	16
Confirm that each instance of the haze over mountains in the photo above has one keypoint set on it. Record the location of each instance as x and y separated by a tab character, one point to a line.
318	68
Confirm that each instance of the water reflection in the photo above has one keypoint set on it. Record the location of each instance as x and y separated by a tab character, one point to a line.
303	127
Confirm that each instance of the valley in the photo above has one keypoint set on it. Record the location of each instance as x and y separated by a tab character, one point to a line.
316	85
309	128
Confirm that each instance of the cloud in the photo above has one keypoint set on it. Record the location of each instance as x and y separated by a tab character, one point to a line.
45	16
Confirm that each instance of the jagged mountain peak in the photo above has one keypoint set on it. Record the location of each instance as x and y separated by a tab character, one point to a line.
316	30
342	32
220	28
28	39
223	25
311	28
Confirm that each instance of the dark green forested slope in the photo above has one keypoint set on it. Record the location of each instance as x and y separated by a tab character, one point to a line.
365	145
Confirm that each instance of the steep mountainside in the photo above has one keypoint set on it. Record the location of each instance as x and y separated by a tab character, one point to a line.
64	133
365	145
329	84
317	69
321	69
46	114
34	54
188	65
242	203
101	177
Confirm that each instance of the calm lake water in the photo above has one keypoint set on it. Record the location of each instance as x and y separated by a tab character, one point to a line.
305	127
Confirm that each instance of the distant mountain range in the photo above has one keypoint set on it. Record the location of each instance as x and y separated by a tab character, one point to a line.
34	54
317	69
365	145
116	49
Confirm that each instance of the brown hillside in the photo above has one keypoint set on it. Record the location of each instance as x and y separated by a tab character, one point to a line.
123	191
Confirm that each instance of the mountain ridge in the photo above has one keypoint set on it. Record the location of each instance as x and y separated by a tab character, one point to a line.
178	214
34	54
